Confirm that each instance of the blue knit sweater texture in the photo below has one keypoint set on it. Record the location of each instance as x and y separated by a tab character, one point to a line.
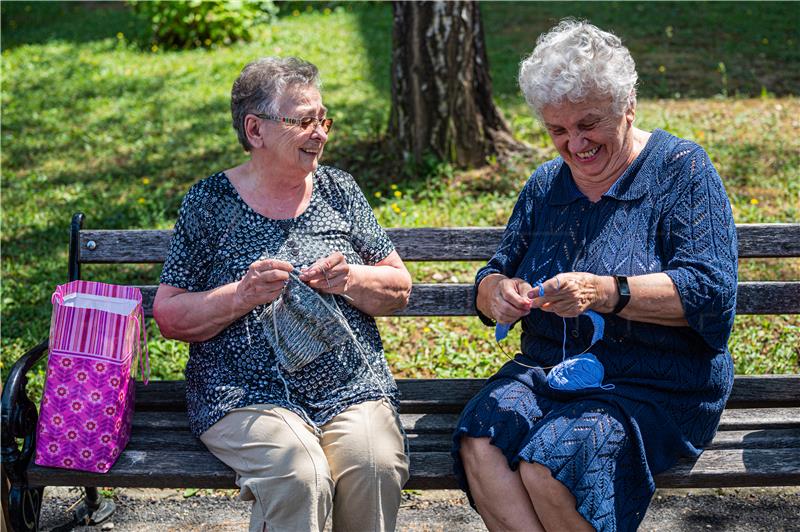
669	213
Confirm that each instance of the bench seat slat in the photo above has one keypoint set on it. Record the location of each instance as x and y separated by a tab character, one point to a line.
732	419
144	440
182	469
417	244
149	440
450	395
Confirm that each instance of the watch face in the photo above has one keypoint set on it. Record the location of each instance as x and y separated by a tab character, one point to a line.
622	285
624	293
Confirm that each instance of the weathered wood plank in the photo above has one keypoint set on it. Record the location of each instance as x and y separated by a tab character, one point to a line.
450	299
768	297
753	391
178	421
728	468
747	419
149	440
760	418
756	439
431	470
450	395
416	244
768	240
143	439
722	468
145	468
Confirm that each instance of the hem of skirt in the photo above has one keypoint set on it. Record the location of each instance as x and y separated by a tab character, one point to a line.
458	466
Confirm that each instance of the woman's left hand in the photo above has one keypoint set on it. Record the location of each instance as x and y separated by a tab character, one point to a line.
571	294
330	274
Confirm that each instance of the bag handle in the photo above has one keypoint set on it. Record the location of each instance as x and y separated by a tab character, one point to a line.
141	330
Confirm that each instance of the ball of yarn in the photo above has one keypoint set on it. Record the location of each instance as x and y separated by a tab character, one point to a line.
577	373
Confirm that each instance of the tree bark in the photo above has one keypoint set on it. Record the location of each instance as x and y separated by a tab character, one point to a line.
441	88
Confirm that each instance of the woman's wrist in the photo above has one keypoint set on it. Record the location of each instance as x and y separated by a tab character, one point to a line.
607	294
486	288
238	305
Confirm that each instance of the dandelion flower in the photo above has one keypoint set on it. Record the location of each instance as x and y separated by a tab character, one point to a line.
393	186
426	330
378	194
753	201
398	194
145	180
662	68
140	201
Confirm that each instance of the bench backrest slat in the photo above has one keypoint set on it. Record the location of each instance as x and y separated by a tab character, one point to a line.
445	299
416	244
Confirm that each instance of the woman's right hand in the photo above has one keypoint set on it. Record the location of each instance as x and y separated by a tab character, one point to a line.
263	282
504	299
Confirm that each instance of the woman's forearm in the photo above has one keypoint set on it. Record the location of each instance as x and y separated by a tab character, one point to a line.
378	290
196	316
654	299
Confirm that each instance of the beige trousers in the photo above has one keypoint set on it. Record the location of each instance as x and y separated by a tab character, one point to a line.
355	466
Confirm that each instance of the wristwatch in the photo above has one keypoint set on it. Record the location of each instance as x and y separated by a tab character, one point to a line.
624	293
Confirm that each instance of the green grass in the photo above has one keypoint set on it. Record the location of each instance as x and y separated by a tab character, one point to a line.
94	122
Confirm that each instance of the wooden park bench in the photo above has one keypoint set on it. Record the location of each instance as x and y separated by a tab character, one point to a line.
758	443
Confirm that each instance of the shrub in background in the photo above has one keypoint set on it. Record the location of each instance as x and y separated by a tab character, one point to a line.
203	23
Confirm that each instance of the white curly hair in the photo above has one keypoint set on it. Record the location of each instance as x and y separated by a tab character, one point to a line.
577	61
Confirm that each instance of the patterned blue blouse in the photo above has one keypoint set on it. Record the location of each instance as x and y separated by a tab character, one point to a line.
667	213
217	236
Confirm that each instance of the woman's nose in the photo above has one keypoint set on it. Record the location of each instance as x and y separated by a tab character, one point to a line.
576	142
319	132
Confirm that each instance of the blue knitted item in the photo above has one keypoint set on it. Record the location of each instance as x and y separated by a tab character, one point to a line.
667	213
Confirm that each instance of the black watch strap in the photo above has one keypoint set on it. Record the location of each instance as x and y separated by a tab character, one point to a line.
624	293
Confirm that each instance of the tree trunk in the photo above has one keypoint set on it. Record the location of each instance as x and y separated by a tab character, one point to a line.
441	89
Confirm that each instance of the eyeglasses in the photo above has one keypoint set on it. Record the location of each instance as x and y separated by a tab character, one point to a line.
304	123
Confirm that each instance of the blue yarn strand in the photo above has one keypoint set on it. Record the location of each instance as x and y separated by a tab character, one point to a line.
576	373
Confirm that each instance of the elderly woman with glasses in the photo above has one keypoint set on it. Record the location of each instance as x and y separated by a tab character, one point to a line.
636	227
311	440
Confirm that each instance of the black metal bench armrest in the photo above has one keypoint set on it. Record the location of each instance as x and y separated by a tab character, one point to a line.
19	416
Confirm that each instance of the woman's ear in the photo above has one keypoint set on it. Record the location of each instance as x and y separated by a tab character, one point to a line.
630	113
253	131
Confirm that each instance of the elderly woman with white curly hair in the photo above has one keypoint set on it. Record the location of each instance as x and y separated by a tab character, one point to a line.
625	245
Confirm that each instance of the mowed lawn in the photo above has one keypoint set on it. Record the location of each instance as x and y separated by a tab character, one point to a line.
94	121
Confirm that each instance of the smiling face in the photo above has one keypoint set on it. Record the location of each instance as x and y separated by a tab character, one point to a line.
291	147
596	144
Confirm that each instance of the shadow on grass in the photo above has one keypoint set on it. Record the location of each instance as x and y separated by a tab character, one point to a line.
75	22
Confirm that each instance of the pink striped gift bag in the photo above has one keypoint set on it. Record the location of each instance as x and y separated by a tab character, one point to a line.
87	406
